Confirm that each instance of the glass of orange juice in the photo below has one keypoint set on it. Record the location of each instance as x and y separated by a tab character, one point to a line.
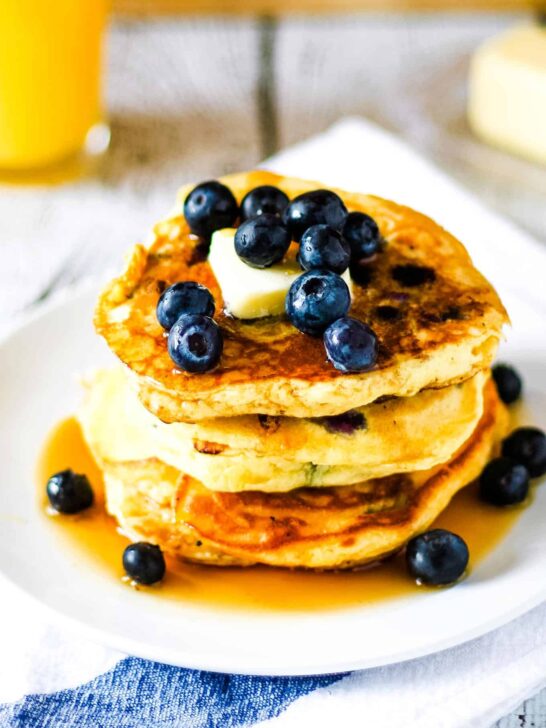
50	73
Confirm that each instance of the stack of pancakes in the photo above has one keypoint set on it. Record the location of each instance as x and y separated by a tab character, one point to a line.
275	457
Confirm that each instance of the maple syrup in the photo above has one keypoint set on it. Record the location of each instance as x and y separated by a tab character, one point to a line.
93	534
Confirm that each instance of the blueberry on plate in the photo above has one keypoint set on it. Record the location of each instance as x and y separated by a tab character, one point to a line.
350	345
527	445
319	207
504	482
323	247
262	241
362	234
316	299
195	343
69	492
210	206
437	557
262	200
508	383
183	297
144	563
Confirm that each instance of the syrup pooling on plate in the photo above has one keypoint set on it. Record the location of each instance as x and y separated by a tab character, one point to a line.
93	534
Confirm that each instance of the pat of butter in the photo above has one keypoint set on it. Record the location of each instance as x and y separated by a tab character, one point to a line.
507	92
252	292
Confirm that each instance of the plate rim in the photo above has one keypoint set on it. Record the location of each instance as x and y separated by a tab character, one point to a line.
143	650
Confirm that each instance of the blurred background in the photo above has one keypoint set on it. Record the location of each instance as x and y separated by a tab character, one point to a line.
196	88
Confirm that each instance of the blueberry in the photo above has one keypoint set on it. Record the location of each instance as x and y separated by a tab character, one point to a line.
262	241
69	492
195	343
210	206
316	299
508	383
504	482
184	297
362	234
412	275
144	563
388	313
314	208
527	445
350	345
347	423
262	200
437	557
323	247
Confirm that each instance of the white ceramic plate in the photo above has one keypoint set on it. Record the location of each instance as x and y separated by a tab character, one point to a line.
38	368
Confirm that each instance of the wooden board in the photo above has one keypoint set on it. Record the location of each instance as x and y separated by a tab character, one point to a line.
279	7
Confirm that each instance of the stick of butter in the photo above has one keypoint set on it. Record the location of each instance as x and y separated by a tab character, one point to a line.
507	92
248	292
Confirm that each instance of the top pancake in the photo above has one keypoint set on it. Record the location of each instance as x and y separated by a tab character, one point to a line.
436	333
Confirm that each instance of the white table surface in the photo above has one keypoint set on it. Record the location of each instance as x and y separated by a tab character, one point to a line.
191	99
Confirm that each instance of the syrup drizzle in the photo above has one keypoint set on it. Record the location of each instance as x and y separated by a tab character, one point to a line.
93	535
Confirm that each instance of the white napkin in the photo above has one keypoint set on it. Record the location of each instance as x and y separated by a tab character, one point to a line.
465	687
470	686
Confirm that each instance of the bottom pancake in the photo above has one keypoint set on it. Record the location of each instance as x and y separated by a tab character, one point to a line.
316	528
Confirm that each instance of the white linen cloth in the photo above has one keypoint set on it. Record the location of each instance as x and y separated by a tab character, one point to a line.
465	687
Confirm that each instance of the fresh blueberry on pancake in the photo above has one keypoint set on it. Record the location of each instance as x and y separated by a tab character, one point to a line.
209	207
362	234
350	345
508	381
261	200
504	482
323	247
262	241
69	492
195	343
316	299
437	557
183	297
314	208
411	275
144	563
527	445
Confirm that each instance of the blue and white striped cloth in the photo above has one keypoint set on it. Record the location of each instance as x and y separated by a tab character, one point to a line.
50	677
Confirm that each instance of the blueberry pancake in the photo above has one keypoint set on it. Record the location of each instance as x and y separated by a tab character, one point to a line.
306	382
275	454
318	528
436	320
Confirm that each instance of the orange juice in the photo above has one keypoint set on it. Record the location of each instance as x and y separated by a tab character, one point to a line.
50	59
